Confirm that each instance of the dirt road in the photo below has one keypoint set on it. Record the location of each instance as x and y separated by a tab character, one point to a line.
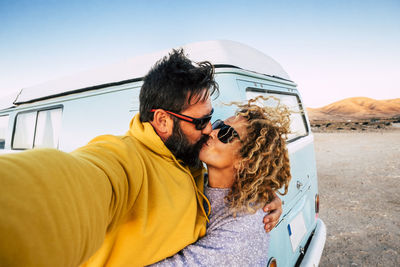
359	184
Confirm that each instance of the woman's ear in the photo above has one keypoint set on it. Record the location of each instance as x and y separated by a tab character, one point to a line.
162	124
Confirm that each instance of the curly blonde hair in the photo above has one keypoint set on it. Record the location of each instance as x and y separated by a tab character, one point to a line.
264	165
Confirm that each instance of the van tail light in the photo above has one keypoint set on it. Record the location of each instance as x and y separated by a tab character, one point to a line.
316	205
272	262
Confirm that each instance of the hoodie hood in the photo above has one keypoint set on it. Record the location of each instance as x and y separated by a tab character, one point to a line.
145	133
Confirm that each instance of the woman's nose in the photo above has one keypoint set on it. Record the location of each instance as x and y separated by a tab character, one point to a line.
214	133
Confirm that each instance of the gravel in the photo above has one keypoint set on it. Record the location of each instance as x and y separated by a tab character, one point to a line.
359	175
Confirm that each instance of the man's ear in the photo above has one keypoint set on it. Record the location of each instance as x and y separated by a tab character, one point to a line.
162	124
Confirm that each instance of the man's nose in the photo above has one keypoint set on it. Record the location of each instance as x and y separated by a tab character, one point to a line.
207	130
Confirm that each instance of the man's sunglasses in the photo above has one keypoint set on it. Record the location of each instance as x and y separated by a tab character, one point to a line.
200	123
226	133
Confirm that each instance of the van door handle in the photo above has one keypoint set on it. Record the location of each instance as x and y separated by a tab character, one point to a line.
299	184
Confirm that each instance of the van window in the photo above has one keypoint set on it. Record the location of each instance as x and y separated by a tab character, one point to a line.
24	130
3	130
48	128
37	129
298	125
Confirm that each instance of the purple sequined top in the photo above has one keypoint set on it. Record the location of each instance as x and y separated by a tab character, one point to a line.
229	241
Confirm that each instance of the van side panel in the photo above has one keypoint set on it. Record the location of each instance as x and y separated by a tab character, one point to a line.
86	115
107	113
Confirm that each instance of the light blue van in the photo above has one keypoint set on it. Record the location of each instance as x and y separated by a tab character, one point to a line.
67	113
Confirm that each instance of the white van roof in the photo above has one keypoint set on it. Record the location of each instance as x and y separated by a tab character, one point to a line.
7	101
217	52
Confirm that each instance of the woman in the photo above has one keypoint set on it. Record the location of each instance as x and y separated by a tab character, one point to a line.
247	162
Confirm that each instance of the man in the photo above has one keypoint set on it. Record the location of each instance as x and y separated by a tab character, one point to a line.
130	200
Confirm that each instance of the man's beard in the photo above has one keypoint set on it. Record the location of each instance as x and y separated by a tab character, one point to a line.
182	149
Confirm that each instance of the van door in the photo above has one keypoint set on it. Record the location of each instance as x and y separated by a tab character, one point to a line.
298	151
298	217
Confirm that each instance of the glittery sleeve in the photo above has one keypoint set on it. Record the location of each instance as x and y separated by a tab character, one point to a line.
239	241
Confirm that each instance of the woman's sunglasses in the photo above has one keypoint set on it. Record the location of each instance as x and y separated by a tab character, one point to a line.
200	123
226	133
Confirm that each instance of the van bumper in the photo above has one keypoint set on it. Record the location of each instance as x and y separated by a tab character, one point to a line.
314	251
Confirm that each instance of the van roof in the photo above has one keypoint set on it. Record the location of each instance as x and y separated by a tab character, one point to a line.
219	53
7	101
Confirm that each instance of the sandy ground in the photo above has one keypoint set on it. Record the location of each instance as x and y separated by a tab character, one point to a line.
359	185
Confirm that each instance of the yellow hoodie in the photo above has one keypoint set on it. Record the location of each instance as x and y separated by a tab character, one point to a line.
127	198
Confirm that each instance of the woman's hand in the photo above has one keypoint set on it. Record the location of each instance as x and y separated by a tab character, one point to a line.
275	210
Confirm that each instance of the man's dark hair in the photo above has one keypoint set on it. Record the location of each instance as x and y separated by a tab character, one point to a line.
173	82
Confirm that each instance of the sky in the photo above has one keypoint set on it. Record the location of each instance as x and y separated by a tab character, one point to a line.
331	49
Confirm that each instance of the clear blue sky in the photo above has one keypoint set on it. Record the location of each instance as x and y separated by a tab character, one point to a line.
331	49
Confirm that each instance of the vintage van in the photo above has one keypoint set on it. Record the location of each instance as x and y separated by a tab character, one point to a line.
67	113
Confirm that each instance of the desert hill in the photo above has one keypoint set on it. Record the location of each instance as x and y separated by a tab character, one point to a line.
356	108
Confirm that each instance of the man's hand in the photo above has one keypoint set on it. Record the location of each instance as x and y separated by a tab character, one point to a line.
275	210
